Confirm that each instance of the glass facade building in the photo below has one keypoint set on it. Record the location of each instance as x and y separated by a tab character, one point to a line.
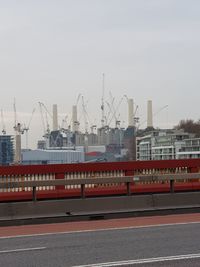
6	149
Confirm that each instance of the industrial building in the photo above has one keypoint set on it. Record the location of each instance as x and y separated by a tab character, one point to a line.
119	143
6	149
70	144
51	156
103	143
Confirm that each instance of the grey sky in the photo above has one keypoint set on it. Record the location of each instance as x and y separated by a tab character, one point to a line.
50	51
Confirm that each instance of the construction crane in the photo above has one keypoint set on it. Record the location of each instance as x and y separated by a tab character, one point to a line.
64	123
17	125
85	115
135	119
154	114
26	128
110	106
114	110
42	117
18	132
3	123
15	115
102	102
66	129
160	109
46	127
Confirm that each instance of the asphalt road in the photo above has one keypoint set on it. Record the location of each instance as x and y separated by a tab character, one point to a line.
94	247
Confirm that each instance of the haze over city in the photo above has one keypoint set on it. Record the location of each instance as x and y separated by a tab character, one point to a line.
52	51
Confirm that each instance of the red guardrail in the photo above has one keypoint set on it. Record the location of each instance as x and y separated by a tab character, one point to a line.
70	171
128	166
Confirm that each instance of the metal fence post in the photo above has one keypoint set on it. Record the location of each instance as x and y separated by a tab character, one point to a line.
34	193
171	186
128	186
83	190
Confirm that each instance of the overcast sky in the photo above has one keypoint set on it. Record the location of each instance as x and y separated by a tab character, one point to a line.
52	51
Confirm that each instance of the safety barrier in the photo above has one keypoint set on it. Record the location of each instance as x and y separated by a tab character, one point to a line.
82	183
68	172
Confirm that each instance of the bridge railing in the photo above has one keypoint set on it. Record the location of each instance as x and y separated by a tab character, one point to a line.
128	180
37	173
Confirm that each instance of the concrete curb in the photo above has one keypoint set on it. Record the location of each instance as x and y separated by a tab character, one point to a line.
18	213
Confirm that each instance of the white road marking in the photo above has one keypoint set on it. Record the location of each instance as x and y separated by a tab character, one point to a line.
140	261
21	250
100	230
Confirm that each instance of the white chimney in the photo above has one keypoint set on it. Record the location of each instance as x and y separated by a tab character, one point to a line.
74	119
55	118
149	114
130	112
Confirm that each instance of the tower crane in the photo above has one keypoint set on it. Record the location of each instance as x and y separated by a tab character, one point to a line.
18	132
17	125
117	122
102	102
154	114
64	122
114	110
110	105
85	115
46	127
159	110
136	119
3	123
26	128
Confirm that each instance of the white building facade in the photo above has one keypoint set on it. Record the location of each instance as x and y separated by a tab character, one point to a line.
161	145
190	149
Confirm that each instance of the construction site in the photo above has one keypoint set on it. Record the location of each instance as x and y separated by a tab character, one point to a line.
75	138
73	143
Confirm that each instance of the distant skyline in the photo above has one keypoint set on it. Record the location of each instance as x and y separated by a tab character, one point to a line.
52	51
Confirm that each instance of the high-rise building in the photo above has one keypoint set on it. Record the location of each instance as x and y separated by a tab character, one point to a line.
6	149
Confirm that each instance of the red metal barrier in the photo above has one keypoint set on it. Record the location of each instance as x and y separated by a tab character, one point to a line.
72	171
191	164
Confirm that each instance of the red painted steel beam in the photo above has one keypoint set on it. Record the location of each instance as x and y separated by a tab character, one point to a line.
97	167
98	191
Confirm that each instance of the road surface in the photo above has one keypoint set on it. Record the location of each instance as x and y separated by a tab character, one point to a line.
172	244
